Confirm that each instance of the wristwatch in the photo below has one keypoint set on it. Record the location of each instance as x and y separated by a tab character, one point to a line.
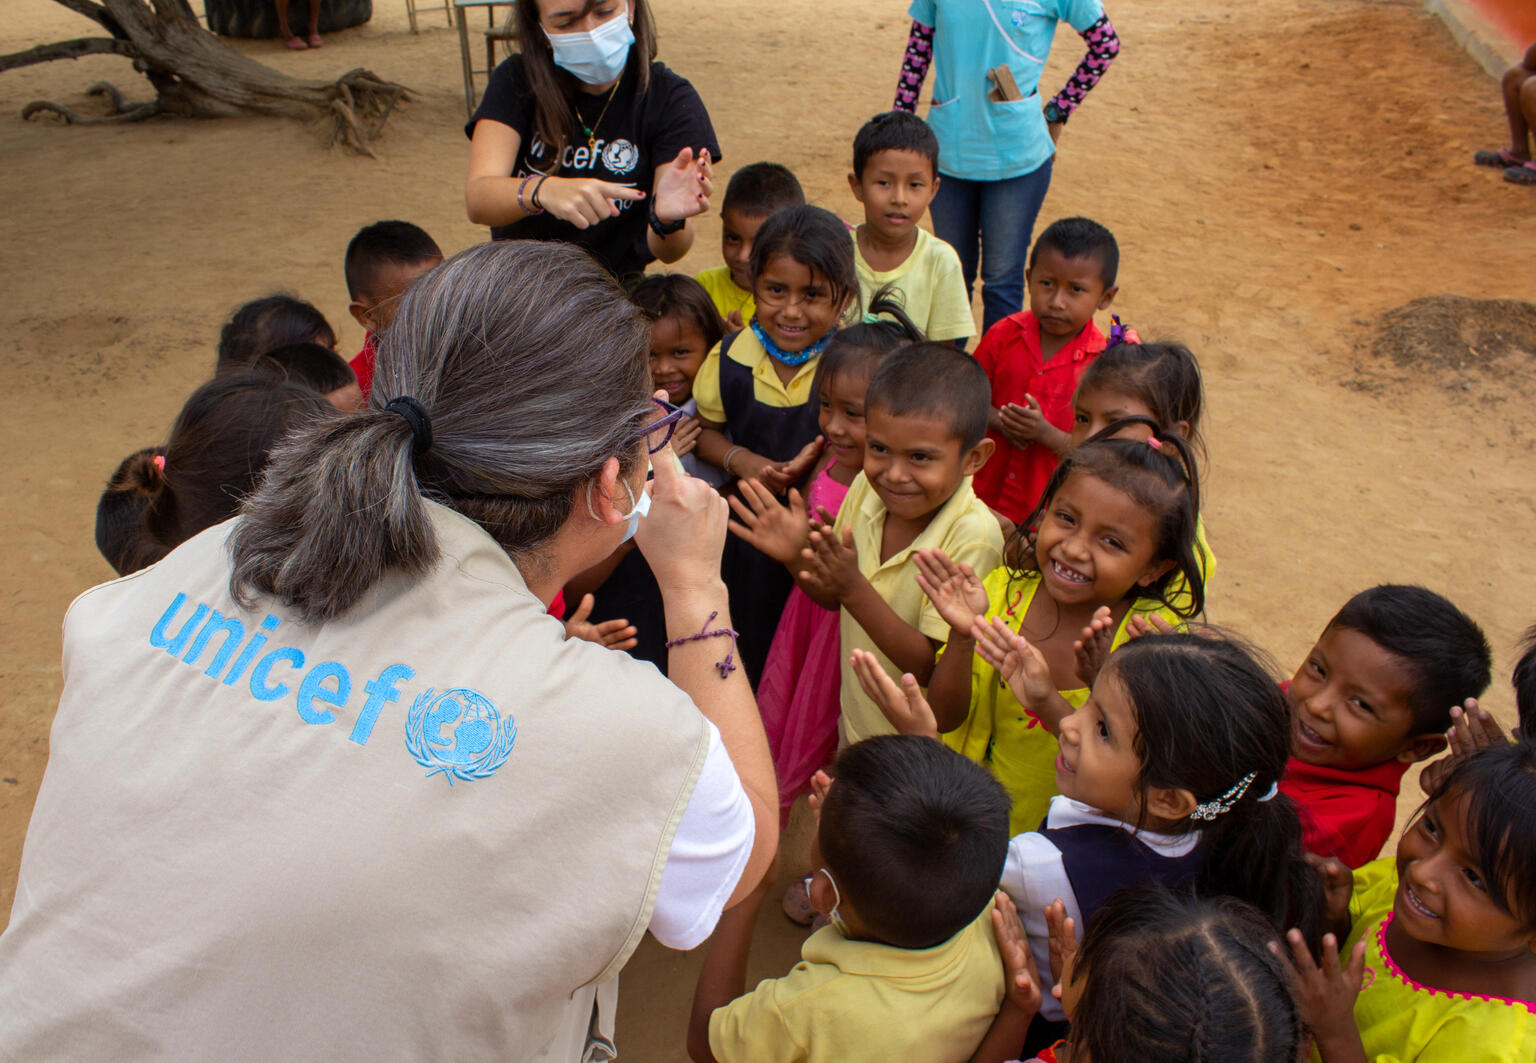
665	228
1054	115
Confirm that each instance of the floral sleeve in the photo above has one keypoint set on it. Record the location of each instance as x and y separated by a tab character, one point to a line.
1103	46
914	67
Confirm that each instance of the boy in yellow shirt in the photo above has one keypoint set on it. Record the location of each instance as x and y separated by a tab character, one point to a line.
895	175
910	844
754	192
925	436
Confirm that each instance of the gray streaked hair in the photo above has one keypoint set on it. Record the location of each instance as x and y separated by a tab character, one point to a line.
532	366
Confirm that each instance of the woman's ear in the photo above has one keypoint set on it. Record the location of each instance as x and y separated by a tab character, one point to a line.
604	495
1170	803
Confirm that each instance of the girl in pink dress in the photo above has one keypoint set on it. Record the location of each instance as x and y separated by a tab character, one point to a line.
798	693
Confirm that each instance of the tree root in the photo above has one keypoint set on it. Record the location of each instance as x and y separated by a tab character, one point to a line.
123	109
195	75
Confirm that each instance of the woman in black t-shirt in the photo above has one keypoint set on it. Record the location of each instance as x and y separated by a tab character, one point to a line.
582	137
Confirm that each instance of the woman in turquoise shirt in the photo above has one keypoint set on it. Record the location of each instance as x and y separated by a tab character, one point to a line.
995	155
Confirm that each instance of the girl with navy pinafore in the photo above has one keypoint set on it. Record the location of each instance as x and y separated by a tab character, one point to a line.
1167	773
756	405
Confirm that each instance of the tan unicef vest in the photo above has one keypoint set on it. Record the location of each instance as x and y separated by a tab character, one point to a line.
425	831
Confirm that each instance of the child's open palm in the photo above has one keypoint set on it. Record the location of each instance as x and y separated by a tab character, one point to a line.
1093	646
615	634
686	436
1062	943
1022	979
953	588
779	531
1326	992
1020	665
904	706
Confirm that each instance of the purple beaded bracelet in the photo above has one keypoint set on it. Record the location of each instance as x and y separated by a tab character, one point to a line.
726	666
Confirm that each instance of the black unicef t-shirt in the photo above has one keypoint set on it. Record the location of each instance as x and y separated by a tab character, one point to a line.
634	137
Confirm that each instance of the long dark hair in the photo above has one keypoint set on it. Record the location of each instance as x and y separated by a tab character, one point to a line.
1211	719
1163	478
1175	978
554	90
214	458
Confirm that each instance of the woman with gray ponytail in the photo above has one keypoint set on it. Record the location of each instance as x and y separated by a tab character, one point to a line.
327	782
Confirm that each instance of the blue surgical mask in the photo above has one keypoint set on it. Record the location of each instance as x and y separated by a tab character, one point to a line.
595	57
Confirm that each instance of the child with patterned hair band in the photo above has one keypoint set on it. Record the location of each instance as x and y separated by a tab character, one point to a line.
1166	773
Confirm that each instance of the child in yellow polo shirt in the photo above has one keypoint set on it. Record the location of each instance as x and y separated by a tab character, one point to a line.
925	436
910	844
754	192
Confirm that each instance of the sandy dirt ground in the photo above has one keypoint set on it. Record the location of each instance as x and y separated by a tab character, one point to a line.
1279	173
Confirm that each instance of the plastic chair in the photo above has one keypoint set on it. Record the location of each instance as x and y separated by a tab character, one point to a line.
493	34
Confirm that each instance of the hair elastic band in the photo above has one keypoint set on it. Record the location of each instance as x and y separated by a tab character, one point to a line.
159	462
1274	788
1154	443
415	416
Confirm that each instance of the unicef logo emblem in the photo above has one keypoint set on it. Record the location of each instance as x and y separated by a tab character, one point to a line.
459	733
620	156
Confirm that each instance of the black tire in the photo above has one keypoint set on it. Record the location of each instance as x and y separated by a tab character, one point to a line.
258	18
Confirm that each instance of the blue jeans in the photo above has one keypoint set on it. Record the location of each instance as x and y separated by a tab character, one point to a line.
1000	217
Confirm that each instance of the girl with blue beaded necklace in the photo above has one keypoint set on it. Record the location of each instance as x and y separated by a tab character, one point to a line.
756	384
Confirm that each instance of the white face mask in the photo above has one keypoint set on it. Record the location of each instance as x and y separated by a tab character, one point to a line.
641	508
638	508
598	56
837	902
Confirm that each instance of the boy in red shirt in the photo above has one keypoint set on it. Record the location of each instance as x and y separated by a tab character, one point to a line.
382	261
1035	357
1373	696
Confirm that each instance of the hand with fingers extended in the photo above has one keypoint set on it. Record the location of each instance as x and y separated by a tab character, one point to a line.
1144	624
1472	728
779	531
615	634
1061	946
1022	978
686	436
1092	647
904	706
683	188
954	589
829	564
782	474
584	201
1325	994
1020	665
